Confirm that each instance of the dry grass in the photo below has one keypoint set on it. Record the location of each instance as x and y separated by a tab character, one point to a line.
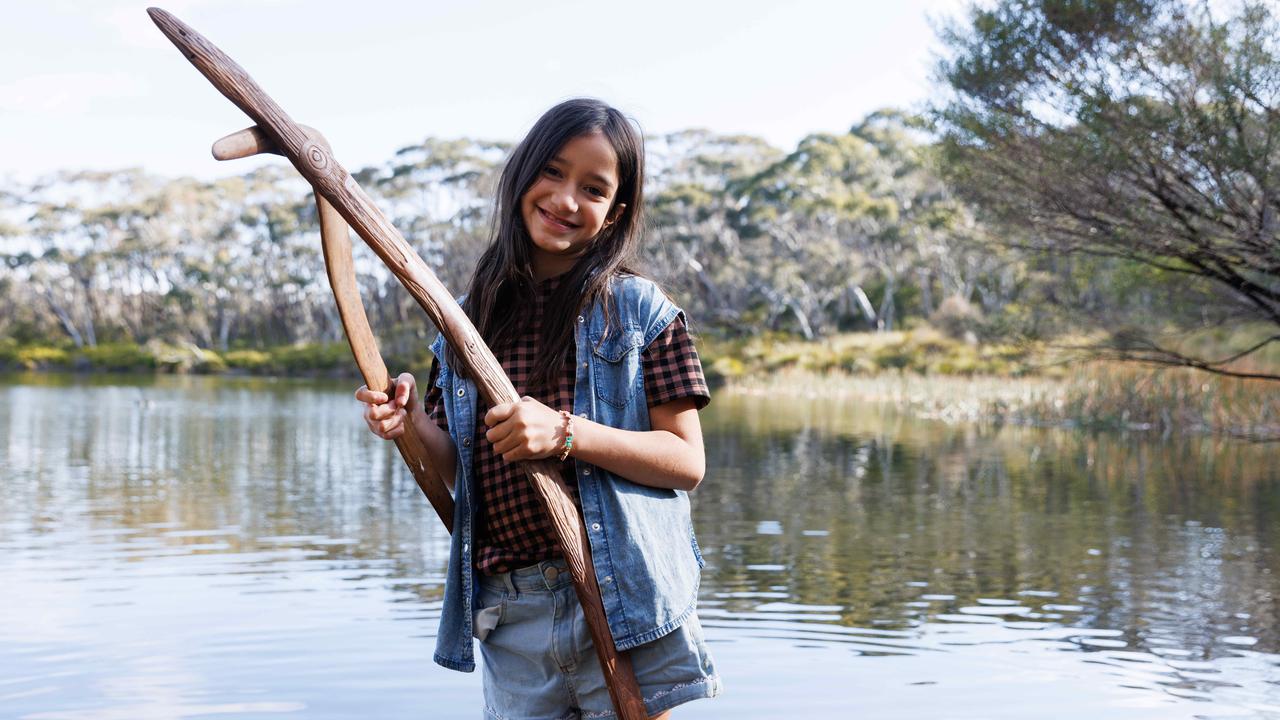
1096	395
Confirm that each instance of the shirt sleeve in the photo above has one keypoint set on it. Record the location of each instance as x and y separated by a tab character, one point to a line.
431	402
672	369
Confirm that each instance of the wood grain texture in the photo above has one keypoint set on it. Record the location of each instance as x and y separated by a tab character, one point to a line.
331	181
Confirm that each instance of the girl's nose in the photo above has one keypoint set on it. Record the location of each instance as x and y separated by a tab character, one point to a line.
563	202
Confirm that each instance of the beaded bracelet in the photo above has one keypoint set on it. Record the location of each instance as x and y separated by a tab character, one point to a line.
568	435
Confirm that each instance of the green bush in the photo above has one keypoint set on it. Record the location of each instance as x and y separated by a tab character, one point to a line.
41	356
311	357
724	368
897	357
118	356
248	360
210	363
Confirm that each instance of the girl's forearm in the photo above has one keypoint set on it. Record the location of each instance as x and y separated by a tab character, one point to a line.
657	458
440	448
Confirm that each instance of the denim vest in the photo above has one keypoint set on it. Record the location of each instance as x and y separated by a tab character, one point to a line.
646	559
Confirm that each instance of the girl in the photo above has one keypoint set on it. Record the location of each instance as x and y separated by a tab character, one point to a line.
612	387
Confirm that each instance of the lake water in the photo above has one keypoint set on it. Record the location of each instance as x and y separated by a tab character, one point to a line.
196	547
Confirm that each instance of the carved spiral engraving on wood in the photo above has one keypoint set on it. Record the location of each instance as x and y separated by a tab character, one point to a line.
317	157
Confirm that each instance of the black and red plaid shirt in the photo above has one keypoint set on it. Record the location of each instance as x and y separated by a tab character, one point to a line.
512	530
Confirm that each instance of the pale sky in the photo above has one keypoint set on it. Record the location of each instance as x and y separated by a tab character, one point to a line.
92	84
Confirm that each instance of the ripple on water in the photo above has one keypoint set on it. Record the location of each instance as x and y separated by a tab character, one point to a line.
112	608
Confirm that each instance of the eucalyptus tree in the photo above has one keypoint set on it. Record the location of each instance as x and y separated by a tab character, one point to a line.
693	245
840	230
438	194
1140	133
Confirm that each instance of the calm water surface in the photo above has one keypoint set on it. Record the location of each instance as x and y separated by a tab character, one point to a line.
194	547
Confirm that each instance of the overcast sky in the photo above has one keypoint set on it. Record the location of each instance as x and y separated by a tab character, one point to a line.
94	85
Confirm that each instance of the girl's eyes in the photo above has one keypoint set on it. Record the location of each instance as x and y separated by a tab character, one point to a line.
551	171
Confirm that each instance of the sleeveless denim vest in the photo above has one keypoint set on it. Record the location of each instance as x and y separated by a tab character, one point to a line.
644	553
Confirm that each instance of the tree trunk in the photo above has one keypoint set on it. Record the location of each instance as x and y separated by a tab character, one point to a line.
64	318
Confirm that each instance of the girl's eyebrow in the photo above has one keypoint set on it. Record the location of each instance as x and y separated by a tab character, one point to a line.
597	177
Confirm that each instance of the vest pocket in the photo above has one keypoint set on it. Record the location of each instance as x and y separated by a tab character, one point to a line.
617	367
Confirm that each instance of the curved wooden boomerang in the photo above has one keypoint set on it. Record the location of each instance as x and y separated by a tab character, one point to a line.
338	193
338	263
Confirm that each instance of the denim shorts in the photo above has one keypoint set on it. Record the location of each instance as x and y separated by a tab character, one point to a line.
539	663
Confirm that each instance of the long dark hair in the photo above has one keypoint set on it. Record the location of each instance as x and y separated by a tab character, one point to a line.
504	276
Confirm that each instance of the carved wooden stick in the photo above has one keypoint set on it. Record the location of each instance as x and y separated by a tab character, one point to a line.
329	179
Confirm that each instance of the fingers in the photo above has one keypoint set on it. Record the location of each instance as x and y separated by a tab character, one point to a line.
406	390
499	413
512	449
372	397
523	430
497	433
389	428
381	411
385	415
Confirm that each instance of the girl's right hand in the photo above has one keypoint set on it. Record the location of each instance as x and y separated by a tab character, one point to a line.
385	416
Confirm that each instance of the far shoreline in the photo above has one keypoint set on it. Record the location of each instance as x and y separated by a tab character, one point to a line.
1104	396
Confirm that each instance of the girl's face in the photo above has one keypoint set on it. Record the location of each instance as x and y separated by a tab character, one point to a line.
571	202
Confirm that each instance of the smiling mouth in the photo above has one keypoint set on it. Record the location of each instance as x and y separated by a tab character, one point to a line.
555	221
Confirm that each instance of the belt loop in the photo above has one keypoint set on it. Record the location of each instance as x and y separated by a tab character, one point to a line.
508	579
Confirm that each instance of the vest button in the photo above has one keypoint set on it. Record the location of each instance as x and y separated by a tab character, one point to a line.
462	392
595	526
587	471
581	319
466	442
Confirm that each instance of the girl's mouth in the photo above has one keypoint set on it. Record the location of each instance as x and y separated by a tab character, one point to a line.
554	221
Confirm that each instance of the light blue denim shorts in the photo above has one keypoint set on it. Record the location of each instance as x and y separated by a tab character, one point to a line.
539	664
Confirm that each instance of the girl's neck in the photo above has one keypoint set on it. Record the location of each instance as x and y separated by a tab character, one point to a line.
545	267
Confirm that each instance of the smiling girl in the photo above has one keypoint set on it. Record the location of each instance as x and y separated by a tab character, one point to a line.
612	386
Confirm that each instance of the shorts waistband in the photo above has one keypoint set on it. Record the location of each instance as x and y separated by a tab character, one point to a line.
544	576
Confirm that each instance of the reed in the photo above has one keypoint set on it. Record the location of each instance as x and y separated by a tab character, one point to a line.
1097	396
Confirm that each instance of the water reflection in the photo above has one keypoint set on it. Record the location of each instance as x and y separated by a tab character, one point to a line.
186	546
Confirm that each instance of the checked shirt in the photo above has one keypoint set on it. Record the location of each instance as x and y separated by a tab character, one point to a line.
512	531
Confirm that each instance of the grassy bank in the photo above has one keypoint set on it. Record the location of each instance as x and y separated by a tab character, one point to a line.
922	371
1096	396
923	351
931	374
294	360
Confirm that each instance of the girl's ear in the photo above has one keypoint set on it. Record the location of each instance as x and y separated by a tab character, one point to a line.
615	213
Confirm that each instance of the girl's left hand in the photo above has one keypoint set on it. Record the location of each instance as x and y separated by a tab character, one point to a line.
525	430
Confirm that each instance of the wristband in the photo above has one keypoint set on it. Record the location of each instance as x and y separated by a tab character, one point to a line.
568	435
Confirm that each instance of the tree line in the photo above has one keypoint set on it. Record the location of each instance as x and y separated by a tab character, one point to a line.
1105	167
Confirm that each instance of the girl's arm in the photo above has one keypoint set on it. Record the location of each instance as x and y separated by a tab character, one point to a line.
670	455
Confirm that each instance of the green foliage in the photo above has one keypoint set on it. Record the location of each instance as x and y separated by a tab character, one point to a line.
845	232
118	356
252	361
185	358
311	357
32	357
1130	145
923	350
